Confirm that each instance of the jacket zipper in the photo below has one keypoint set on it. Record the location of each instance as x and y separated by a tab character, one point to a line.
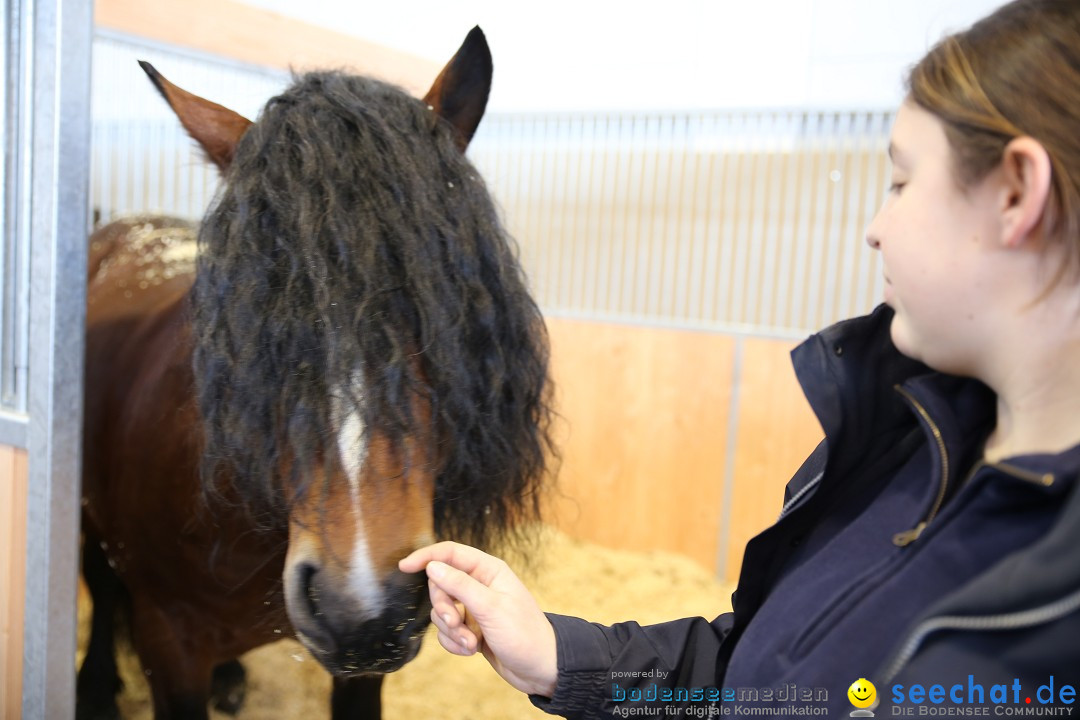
1044	479
905	538
1005	621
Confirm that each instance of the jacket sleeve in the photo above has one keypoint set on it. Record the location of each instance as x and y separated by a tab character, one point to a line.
596	662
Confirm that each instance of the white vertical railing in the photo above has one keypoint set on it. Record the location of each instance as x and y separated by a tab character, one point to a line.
749	222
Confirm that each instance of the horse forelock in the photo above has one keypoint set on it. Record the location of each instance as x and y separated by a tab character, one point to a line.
351	236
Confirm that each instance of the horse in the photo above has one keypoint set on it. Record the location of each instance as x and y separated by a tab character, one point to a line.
340	364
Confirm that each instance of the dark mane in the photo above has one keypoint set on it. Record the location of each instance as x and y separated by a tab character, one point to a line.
352	234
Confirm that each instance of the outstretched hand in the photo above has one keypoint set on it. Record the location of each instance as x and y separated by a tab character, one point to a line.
478	603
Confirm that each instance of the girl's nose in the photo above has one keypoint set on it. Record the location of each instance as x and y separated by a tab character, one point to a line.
873	238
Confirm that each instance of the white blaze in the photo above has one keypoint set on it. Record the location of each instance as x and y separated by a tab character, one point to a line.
352	447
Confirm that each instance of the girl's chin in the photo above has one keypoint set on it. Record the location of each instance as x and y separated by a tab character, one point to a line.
902	340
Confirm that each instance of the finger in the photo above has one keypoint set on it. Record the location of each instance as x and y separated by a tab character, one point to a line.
454	646
416	560
450	612
439	621
451	646
444	606
470	588
445	613
470	591
468	559
419	558
449	617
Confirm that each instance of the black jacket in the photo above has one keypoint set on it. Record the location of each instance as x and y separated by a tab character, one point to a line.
1017	622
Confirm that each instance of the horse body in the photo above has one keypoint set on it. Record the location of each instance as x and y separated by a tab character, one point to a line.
349	367
143	509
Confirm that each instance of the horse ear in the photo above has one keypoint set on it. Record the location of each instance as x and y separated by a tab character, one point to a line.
460	93
215	128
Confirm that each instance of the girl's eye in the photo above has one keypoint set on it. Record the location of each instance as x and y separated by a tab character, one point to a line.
895	187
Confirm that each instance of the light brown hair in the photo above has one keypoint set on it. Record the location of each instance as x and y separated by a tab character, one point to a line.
1014	73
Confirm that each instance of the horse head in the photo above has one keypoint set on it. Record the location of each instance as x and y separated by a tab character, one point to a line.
370	370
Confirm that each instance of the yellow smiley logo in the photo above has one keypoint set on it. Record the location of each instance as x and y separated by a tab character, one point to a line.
862	693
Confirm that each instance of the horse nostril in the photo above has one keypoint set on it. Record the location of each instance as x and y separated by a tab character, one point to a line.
309	590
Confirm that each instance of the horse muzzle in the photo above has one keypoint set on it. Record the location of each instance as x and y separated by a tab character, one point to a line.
349	636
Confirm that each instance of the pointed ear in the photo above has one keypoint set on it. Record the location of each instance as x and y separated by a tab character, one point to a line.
215	128
460	93
1025	188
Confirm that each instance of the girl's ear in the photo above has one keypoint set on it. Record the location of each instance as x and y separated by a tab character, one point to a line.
1025	171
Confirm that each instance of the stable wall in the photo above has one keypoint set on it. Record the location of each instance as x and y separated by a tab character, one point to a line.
674	440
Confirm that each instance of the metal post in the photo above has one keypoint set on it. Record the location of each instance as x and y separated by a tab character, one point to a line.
56	53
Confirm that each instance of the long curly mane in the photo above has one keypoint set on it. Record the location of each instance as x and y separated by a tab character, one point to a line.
352	235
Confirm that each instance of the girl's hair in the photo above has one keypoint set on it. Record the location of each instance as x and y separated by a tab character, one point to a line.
1014	73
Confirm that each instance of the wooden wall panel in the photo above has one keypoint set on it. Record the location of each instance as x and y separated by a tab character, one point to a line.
13	481
257	36
646	438
645	419
776	432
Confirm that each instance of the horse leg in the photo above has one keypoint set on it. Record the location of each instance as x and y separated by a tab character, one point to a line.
176	665
228	687
357	698
99	681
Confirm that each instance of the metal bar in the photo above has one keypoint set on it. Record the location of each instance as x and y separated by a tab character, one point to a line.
695	259
732	279
558	215
641	147
678	189
779	290
13	429
877	287
793	243
7	284
848	236
663	219
58	49
591	275
810	275
862	176
615	228
710	243
769	211
826	275
17	118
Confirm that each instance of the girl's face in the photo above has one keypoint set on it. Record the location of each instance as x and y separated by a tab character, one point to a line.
940	249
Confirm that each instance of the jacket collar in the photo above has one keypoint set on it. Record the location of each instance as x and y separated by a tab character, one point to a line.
850	373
